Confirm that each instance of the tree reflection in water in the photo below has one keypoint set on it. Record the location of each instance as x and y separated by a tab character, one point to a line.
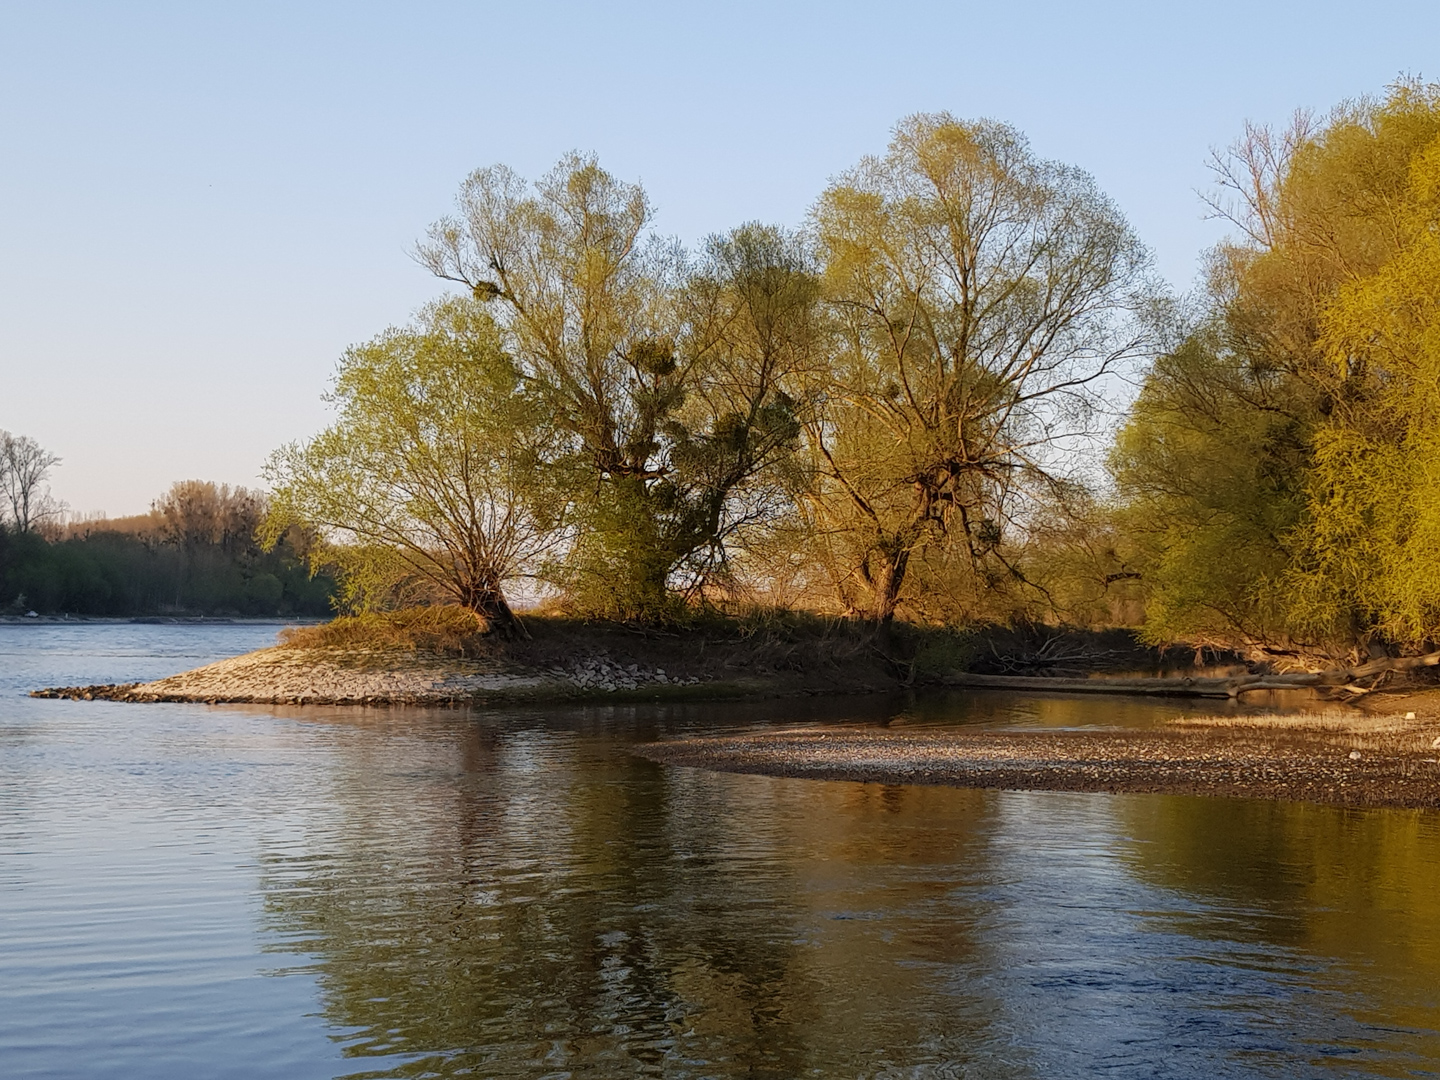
1361	887
523	897
543	900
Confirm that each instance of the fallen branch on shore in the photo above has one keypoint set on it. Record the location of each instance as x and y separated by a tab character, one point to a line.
1344	679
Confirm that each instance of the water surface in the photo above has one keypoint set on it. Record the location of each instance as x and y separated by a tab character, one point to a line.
193	891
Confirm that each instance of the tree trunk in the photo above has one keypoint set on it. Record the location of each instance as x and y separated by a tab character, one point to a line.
885	583
489	603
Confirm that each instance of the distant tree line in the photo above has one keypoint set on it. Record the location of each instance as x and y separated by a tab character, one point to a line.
195	553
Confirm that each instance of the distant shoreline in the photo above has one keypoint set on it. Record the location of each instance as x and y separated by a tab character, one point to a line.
160	620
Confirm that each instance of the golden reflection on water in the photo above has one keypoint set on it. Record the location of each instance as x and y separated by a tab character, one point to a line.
996	709
608	912
1359	886
530	898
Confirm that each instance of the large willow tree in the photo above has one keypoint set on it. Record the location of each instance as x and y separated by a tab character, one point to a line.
667	377
429	484
984	295
1369	562
1278	472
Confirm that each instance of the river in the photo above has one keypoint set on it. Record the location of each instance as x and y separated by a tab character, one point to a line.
197	891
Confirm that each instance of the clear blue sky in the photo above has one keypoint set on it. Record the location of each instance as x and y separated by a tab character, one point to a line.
201	205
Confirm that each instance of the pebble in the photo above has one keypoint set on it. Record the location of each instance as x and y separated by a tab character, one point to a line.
301	676
1305	767
601	673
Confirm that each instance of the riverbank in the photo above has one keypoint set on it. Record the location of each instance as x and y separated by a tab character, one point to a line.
1382	753
290	676
1340	759
437	657
560	660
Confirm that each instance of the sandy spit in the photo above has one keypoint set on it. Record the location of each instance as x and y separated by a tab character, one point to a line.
322	677
1396	767
285	675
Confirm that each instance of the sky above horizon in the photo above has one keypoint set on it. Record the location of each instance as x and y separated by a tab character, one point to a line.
201	206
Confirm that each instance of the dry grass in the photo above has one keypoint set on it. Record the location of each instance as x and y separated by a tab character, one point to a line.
1335	721
1389	733
448	631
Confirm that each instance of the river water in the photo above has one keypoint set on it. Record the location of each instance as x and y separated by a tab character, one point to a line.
192	891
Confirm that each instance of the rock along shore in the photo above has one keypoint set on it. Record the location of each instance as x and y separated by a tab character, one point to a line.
1367	762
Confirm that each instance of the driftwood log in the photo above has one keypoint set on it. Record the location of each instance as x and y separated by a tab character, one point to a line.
1343	679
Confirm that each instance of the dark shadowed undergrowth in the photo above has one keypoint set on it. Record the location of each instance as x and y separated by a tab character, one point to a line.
750	641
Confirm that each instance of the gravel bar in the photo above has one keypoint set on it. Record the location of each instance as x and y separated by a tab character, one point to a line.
1398	769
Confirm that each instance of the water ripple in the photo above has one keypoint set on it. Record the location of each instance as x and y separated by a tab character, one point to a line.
189	891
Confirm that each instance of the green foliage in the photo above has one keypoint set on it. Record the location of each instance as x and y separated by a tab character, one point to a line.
942	653
672	380
1276	471
896	409
1368	565
983	296
619	565
1211	470
430	484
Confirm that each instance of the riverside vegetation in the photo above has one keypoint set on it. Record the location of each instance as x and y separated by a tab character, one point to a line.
194	554
897	411
896	417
